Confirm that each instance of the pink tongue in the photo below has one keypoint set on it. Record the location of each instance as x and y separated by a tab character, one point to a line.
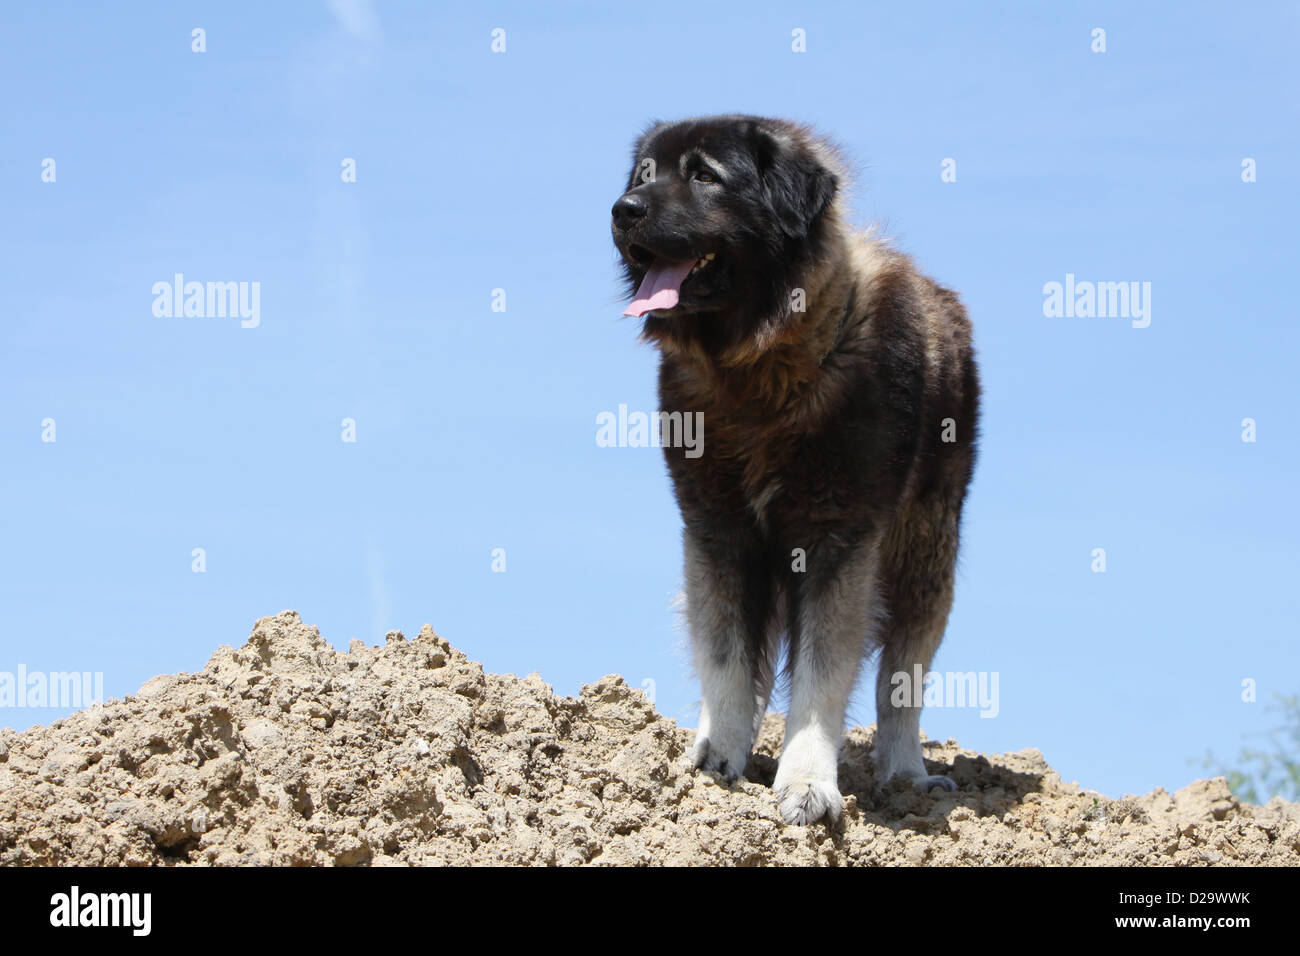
661	287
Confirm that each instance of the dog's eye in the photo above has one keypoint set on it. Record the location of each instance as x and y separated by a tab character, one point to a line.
705	176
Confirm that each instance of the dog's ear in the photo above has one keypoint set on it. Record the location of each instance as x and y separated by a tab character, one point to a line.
798	185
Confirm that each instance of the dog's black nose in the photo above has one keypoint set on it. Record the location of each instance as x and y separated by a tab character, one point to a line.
628	210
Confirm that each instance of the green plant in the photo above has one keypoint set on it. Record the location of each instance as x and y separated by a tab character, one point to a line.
1273	769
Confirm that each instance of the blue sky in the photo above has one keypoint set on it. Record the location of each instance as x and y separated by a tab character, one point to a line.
476	428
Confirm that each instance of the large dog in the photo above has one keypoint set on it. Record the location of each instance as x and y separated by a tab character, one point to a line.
840	396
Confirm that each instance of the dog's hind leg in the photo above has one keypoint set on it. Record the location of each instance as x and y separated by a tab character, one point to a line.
918	570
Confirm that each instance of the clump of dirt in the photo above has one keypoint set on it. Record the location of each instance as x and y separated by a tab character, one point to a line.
288	752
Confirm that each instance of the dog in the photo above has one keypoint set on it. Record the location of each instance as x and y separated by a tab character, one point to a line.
840	401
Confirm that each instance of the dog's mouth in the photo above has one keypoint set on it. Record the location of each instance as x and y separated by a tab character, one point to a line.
666	280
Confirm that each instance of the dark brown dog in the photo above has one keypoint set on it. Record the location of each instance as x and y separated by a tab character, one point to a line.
840	400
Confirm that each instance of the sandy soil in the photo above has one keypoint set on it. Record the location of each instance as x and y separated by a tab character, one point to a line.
286	751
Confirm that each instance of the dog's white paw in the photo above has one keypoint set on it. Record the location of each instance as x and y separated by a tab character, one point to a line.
936	782
727	758
925	782
808	800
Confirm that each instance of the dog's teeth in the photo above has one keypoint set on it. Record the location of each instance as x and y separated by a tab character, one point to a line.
701	262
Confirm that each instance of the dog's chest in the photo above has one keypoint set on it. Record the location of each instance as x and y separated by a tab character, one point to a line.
760	444
760	498
763	463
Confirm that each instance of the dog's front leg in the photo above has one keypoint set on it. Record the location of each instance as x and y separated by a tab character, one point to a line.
830	629
726	597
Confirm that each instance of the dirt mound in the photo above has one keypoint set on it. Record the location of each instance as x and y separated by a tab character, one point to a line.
287	751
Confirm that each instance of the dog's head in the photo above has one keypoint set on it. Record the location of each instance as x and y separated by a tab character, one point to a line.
720	222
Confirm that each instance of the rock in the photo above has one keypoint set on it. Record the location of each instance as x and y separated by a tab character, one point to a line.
287	752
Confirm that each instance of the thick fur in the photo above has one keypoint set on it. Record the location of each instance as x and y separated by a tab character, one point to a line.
844	432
